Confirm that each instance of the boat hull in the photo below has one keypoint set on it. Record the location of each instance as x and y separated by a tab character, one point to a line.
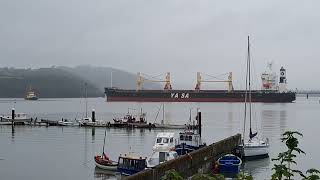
196	96
31	98
256	152
229	165
182	149
110	168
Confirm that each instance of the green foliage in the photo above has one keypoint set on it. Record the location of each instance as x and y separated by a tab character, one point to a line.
244	176
285	159
313	174
200	176
172	175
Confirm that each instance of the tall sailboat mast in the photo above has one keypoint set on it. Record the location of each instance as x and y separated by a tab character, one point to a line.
86	94
162	122
104	139
249	78
246	92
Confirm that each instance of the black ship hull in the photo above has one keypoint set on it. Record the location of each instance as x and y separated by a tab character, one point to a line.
196	96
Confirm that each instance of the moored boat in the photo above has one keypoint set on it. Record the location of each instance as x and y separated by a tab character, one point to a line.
21	118
163	149
65	122
190	139
229	164
103	161
255	147
130	164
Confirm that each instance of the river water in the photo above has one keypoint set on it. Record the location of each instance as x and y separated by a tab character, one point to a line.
67	152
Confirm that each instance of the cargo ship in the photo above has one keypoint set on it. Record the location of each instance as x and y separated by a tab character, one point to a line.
271	91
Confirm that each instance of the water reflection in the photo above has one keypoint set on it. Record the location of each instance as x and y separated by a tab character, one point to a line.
259	169
12	134
102	174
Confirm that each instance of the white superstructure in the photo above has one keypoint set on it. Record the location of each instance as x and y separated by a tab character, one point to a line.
164	141
163	149
269	79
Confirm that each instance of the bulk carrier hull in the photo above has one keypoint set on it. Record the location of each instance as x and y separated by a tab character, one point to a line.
114	94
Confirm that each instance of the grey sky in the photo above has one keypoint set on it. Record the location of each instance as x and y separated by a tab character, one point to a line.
180	36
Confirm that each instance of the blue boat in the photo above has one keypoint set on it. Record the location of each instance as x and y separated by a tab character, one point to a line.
128	165
229	164
190	139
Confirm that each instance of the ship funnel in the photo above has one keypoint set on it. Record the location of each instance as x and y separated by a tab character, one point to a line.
283	80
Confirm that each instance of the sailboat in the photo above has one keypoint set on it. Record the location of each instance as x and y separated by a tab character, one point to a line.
86	120
167	126
103	161
254	147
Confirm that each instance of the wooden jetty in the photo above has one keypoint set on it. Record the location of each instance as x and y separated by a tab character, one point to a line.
201	160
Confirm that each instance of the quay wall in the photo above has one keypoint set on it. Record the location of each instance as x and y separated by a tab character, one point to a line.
197	161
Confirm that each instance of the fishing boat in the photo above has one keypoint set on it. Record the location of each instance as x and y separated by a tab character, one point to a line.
161	156
229	164
130	120
130	164
103	161
31	95
190	139
164	141
163	149
254	147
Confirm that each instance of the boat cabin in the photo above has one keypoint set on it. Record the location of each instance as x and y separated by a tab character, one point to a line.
159	157
190	138
164	141
129	165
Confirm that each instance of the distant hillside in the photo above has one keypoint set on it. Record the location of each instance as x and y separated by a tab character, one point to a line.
101	77
47	82
61	82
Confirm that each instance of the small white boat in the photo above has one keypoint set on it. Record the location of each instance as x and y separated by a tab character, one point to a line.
88	122
163	149
164	141
159	157
256	148
18	118
104	162
65	122
167	125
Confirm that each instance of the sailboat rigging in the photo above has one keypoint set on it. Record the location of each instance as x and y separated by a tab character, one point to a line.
255	147
102	161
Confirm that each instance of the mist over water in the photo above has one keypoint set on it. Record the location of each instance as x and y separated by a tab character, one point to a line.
67	152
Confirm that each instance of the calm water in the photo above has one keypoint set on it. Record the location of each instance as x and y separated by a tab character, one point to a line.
67	152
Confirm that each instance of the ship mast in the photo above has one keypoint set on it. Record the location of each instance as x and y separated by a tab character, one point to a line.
141	78
200	81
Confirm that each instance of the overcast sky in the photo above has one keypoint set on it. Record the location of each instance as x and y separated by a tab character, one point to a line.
180	36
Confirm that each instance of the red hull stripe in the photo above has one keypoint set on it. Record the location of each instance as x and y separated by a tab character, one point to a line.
139	99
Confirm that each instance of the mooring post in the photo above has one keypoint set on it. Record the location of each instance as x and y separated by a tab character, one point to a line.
12	117
199	121
93	116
